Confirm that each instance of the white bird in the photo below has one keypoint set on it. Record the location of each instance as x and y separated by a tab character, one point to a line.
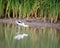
20	36
20	23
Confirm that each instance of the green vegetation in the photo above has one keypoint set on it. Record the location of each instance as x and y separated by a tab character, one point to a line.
42	9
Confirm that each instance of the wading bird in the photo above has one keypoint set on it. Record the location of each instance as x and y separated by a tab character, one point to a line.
20	36
20	23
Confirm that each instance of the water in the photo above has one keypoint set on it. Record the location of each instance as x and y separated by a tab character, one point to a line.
39	37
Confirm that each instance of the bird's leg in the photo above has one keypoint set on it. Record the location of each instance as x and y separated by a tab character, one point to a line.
18	30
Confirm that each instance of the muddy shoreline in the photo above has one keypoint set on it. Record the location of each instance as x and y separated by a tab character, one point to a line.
34	23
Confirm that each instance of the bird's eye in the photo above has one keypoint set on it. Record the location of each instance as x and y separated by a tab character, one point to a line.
19	22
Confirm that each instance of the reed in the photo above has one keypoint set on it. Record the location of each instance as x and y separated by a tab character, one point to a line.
1	7
49	9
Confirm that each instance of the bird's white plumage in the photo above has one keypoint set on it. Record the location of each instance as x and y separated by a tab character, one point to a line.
20	36
20	23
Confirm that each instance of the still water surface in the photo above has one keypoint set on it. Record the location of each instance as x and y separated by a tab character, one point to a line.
30	37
